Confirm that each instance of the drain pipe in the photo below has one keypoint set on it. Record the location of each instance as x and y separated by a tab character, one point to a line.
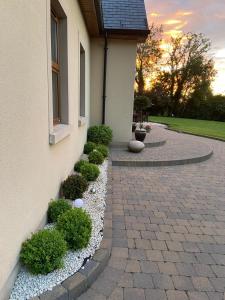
104	78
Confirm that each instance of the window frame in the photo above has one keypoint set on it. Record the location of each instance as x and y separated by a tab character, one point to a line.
56	69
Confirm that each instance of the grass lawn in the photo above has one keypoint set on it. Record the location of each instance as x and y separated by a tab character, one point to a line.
198	127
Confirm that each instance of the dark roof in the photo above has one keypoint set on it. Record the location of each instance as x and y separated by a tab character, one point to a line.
124	15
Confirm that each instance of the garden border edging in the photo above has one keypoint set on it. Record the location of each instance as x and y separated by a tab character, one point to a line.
75	285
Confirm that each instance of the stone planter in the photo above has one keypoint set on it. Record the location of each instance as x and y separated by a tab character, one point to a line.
140	135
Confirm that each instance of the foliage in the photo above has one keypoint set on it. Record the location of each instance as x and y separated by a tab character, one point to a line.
44	251
148	56
141	103
89	147
74	187
79	164
76	226
103	150
90	171
202	127
56	208
187	69
96	157
100	134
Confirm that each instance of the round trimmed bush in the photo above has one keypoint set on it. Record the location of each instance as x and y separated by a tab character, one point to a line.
89	147
100	134
90	171
57	208
79	164
74	187
95	157
76	226
103	150
44	251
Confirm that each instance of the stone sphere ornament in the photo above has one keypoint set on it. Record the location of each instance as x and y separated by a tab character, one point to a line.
93	191
79	203
136	146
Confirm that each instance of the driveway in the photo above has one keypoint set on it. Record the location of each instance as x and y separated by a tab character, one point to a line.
168	231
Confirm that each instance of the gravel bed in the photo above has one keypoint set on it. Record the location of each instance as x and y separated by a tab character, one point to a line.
27	285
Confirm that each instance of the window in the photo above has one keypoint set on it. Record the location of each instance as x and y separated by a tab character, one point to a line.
55	68
82	81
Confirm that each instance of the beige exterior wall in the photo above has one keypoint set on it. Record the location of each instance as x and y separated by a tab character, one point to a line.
119	88
31	168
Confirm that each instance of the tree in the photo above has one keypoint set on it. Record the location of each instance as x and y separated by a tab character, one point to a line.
187	68
148	55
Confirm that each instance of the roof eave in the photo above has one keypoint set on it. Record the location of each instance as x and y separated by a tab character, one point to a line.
132	34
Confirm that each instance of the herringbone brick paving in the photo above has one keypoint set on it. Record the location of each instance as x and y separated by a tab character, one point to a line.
168	232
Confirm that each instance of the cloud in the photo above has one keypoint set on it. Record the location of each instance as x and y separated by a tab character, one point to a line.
172	22
184	13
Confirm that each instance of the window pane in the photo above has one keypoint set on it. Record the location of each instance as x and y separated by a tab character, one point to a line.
55	97
54	39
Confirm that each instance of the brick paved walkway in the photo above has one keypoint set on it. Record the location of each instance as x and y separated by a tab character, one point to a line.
168	232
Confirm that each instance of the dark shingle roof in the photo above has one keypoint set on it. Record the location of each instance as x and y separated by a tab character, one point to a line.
124	15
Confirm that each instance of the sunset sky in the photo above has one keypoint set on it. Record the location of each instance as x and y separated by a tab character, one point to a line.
198	16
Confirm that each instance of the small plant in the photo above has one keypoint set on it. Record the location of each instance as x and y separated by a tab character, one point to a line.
103	150
76	226
74	187
148	128
89	147
44	251
95	157
90	172
79	164
56	208
100	134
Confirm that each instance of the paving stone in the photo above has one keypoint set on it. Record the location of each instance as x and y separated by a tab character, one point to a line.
167	268
154	294
162	281
171	256
119	252
126	280
104	286
154	255
133	266
142	244
142	280
133	234
176	295
204	258
138	254
203	270
202	284
198	296
182	283
134	294
215	296
92	295
149	267
218	284
117	294
174	246
117	263
219	270
121	243
158	245
162	236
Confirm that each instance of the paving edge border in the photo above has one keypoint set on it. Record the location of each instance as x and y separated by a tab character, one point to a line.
147	145
78	283
143	163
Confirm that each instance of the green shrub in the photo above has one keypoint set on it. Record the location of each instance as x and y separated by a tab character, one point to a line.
57	208
89	147
79	164
74	187
90	172
76	227
103	150
95	157
100	134
44	251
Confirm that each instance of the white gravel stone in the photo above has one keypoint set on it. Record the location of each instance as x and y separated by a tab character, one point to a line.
27	285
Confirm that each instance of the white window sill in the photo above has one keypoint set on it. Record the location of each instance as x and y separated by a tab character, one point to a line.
82	121
59	133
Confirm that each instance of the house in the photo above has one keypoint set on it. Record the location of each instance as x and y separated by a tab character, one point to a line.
64	65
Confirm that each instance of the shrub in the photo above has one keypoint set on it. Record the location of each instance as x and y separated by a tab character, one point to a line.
89	147
76	227
90	172
100	134
95	157
103	150
44	251
79	164
74	187
57	208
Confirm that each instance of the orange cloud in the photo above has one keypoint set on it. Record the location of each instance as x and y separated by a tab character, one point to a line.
184	13
154	14
172	22
173	33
